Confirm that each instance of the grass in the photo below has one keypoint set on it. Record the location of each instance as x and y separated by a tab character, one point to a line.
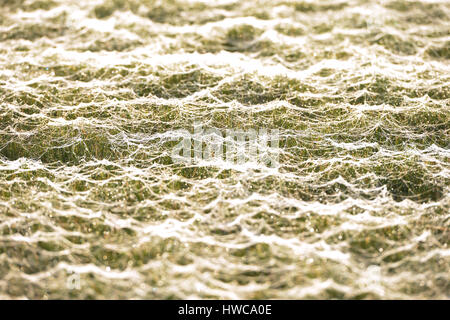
88	118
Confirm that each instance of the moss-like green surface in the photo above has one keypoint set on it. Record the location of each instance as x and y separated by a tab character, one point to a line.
94	95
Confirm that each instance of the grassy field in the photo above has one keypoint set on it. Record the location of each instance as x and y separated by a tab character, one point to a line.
94	93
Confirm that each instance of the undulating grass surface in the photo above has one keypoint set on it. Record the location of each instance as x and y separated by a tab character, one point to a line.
93	95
